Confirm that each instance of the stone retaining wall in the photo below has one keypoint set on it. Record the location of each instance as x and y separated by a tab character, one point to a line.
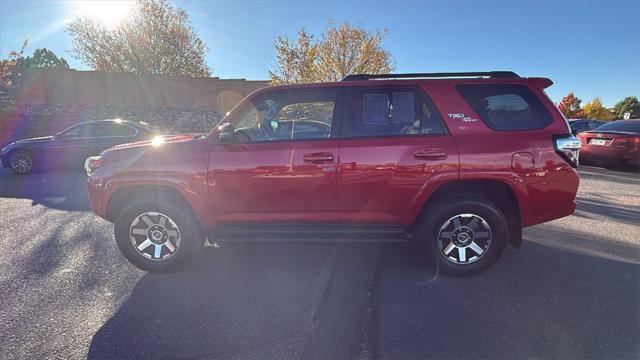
46	102
28	120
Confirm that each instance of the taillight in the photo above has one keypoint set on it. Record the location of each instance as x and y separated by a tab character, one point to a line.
568	146
92	164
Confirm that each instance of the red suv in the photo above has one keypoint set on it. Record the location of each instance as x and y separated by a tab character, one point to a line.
458	163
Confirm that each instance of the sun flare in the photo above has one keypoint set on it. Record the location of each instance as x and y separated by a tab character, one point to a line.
108	12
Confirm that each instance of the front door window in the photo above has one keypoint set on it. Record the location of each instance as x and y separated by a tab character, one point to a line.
287	116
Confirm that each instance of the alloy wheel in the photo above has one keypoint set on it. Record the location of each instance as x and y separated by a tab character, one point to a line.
464	238
155	236
21	162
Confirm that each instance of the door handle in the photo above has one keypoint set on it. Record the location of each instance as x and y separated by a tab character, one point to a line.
316	158
430	154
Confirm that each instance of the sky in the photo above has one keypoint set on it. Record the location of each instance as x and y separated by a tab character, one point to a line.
589	47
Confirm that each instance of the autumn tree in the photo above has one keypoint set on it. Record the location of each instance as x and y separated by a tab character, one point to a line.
296	60
340	51
155	39
43	59
570	107
7	70
595	110
629	105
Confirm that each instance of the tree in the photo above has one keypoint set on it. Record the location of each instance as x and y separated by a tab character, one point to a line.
296	61
43	59
629	105
570	107
595	110
7	67
342	50
155	39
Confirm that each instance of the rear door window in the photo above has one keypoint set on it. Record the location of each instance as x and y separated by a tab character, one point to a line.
111	129
397	111
506	107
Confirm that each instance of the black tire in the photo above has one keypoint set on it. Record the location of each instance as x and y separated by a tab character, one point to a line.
439	222
191	237
16	162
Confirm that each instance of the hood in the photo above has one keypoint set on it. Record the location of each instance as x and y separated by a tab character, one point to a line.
159	141
34	140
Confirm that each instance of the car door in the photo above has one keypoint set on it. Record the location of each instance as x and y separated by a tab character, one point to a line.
281	164
394	144
68	148
107	134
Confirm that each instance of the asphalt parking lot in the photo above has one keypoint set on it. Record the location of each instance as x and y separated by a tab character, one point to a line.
571	291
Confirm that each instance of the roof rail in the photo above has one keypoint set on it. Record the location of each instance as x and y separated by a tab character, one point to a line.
490	74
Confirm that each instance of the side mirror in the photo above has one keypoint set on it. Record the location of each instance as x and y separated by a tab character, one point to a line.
226	134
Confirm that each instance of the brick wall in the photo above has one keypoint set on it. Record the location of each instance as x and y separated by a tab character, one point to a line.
47	101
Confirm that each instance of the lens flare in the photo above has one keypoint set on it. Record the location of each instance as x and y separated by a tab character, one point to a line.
157	141
110	13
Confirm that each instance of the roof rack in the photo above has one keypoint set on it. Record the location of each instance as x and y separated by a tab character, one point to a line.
490	74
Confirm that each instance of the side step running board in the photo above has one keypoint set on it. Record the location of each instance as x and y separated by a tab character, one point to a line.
308	234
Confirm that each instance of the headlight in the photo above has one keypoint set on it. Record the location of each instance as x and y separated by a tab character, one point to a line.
92	164
6	148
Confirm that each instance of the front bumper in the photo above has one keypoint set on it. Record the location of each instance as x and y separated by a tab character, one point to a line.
97	196
4	158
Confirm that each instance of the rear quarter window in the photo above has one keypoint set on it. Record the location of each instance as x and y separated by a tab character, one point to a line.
506	107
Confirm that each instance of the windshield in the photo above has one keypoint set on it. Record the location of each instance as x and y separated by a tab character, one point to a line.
621	126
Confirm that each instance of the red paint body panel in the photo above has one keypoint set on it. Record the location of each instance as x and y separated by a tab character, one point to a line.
368	180
180	164
380	180
272	181
546	191
617	148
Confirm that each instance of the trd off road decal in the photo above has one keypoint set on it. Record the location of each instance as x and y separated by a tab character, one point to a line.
462	117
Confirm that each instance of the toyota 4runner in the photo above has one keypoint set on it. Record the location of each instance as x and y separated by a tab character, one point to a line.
458	163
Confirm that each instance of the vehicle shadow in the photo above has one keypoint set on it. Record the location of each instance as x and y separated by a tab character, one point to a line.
615	175
262	300
246	300
608	209
541	301
56	190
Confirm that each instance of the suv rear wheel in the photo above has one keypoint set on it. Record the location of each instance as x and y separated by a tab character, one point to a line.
156	236
464	235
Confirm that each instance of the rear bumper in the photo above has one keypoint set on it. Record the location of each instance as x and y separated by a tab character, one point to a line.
609	155
552	196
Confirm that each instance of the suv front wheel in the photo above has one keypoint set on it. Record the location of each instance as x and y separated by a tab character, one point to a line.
464	235
157	237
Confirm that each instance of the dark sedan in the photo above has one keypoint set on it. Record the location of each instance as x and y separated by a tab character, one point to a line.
579	125
614	143
70	148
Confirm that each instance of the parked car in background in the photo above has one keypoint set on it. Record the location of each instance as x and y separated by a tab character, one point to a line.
579	125
458	163
69	148
614	143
